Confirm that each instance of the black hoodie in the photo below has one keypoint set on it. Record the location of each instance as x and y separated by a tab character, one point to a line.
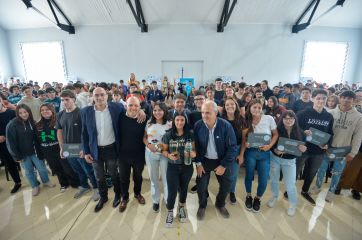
322	121
21	140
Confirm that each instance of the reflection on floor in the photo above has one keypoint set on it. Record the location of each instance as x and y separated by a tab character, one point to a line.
55	215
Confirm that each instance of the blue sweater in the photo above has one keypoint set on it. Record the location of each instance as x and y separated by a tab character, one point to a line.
225	141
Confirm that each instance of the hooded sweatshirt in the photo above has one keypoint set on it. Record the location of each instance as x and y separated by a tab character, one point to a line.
322	121
347	129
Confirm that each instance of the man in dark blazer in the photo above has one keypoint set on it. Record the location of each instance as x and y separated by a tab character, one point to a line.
99	136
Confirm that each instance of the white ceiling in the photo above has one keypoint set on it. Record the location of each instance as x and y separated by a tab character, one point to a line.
14	15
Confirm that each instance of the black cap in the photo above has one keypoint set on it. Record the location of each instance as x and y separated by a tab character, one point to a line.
41	92
349	94
50	89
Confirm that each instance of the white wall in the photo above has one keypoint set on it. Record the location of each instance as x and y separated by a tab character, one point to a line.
5	62
358	70
110	53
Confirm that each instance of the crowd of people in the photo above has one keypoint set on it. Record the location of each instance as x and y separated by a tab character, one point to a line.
176	129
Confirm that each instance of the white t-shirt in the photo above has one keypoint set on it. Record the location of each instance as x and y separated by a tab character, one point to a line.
266	125
156	131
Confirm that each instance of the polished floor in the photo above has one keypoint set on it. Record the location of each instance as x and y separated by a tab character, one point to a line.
55	215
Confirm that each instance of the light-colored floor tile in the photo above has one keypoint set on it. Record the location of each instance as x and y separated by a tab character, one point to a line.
53	215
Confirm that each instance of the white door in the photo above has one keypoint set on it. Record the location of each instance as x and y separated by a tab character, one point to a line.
190	69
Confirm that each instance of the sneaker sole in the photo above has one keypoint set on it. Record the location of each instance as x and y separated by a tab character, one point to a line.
249	209
256	211
232	203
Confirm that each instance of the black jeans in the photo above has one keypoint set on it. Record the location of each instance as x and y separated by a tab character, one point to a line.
125	174
9	163
107	157
203	183
55	165
178	179
311	163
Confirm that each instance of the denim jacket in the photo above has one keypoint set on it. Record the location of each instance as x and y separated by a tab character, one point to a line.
225	141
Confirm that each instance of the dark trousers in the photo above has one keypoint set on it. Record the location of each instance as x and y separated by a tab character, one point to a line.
203	183
311	163
55	165
107	156
125	168
178	179
9	163
71	176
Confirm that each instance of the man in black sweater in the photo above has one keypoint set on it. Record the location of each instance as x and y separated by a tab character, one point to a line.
132	152
5	116
304	102
318	118
267	92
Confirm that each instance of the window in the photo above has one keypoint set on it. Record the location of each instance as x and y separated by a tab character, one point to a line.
324	61
44	62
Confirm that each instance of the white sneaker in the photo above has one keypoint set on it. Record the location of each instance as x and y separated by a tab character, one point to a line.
49	184
329	197
271	203
315	190
169	219
96	195
63	189
291	211
36	191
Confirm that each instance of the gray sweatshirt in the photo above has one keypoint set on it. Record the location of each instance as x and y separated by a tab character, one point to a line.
347	129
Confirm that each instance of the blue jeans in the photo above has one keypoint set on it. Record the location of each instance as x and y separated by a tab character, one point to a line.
337	170
288	168
157	164
234	168
84	171
260	160
27	164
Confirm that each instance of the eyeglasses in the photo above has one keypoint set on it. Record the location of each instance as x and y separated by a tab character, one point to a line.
199	99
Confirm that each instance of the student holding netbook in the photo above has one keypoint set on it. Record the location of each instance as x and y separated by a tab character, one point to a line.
257	157
317	118
69	131
347	130
288	127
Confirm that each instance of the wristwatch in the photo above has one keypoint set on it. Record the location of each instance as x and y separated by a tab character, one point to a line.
198	164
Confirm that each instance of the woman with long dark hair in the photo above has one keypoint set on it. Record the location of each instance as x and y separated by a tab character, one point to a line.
231	113
179	148
169	97
23	145
47	135
156	127
245	100
274	109
288	128
257	122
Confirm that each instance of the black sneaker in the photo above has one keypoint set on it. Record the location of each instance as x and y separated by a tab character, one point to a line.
256	205
194	189
16	187
232	198
308	198
156	207
249	202
356	195
337	191
285	195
